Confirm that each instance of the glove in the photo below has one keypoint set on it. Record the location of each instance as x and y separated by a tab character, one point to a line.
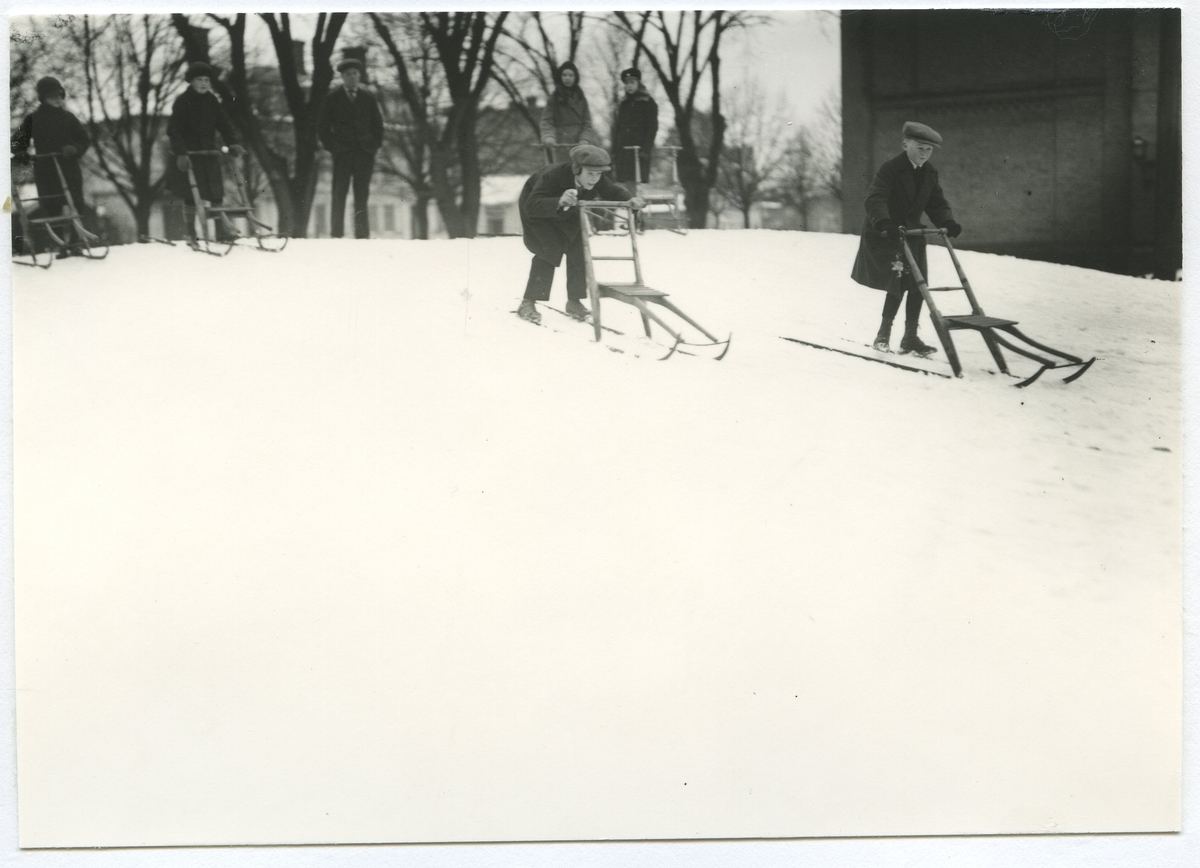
569	198
952	229
549	140
237	150
637	203
888	229
69	150
182	162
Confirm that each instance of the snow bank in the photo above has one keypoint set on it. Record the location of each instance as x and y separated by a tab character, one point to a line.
580	571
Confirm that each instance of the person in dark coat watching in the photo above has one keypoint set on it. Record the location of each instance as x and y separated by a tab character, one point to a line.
351	129
53	130
550	223
637	124
196	118
566	119
905	187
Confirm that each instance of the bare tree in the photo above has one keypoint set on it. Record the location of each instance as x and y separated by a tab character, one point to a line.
296	198
465	46
131	74
407	147
799	179
756	135
684	49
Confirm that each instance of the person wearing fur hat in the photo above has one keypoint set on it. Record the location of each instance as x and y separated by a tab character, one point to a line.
51	129
905	187
196	118
351	129
550	223
566	119
636	124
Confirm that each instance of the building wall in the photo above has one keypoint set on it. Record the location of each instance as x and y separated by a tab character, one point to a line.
1040	117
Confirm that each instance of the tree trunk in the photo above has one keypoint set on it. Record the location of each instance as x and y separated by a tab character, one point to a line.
420	217
468	160
141	215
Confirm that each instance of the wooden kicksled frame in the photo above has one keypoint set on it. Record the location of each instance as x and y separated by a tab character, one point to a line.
989	327
70	220
637	293
259	232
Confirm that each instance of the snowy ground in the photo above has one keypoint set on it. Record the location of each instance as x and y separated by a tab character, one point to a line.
495	581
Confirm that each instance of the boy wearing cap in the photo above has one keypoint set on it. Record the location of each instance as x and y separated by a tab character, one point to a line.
550	223
196	118
905	187
636	124
351	129
53	130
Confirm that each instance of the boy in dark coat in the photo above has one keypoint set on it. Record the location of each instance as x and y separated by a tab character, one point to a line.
637	124
53	130
550	220
196	118
566	119
905	187
351	128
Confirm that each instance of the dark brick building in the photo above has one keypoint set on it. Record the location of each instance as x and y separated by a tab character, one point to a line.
1062	129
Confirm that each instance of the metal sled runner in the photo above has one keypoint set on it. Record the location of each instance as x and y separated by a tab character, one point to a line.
637	293
263	235
67	223
995	332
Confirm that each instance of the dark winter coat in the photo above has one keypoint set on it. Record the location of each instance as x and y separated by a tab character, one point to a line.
566	116
196	118
51	129
636	124
901	194
549	230
347	124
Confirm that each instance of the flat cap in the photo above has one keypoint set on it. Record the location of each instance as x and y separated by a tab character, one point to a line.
198	69
590	157
350	63
921	133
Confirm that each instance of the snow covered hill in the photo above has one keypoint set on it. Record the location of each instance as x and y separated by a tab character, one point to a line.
903	589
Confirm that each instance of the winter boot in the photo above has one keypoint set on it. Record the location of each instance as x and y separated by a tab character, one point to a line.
910	343
576	309
883	339
528	311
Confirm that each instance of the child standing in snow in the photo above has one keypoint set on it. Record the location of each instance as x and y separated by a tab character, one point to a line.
196	118
905	187
566	119
550	222
53	130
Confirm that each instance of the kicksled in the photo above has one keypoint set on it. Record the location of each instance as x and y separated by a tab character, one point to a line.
996	332
636	294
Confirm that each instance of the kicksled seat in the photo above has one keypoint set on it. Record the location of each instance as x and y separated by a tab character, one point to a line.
995	332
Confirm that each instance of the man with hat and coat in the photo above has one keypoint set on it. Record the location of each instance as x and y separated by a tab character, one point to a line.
351	129
53	130
905	187
636	124
196	118
550	222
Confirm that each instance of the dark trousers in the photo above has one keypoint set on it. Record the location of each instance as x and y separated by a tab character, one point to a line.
541	276
360	165
912	310
624	165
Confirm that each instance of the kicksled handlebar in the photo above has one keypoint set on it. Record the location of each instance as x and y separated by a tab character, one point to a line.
915	233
